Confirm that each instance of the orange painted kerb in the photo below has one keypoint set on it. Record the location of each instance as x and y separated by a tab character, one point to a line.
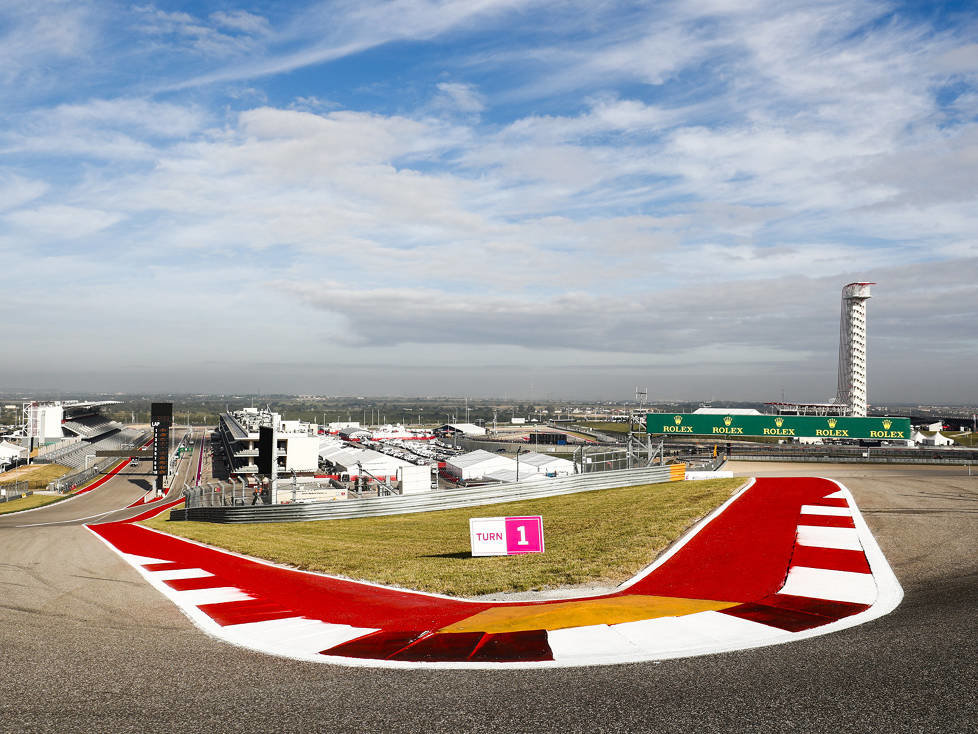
582	613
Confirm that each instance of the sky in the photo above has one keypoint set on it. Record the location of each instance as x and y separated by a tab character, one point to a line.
542	200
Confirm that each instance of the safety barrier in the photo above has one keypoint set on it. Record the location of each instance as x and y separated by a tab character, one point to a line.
14	491
445	499
865	458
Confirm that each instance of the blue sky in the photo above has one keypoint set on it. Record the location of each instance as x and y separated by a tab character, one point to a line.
490	197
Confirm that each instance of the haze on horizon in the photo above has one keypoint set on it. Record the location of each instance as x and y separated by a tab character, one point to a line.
505	198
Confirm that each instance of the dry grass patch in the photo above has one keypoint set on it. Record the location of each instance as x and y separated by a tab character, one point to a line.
602	537
37	476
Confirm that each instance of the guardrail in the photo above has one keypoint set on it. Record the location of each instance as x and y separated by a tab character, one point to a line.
848	459
444	499
14	491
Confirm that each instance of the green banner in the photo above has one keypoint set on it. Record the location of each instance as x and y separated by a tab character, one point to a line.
779	426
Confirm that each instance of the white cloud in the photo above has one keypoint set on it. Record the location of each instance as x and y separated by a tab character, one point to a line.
58	222
17	190
733	152
241	20
456	96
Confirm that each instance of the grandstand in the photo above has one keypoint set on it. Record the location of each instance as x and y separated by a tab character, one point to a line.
74	455
90	426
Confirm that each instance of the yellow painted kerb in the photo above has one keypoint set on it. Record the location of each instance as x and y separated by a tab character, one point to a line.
560	615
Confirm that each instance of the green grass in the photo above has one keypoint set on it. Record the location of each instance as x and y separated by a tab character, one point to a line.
29	502
593	537
37	476
606	427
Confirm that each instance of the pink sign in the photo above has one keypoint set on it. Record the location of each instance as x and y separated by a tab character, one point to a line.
524	535
506	536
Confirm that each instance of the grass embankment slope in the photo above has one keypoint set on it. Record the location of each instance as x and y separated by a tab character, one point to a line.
602	537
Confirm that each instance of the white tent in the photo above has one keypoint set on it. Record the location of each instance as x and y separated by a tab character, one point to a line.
9	453
509	475
544	464
938	439
347	458
466	429
477	464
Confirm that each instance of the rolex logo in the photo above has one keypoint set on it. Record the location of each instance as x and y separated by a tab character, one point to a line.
727	420
678	419
887	423
778	421
832	422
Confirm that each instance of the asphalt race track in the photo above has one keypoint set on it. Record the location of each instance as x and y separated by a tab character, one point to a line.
88	646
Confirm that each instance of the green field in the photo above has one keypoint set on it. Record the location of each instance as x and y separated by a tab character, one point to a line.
29	502
602	537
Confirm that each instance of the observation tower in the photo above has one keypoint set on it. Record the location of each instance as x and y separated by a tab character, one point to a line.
852	348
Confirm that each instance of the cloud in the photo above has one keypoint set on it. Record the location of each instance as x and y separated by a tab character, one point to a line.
37	38
60	222
241	20
621	177
459	97
16	191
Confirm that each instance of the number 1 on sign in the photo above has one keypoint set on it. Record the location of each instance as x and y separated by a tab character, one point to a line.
521	529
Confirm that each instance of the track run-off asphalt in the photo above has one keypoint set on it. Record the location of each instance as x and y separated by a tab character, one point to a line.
89	645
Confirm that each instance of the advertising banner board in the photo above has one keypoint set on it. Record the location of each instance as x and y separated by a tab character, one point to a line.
778	426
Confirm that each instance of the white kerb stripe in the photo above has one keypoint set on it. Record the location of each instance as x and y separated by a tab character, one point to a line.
819	537
823	583
325	637
597	640
271	630
826	510
217	595
179	573
143	560
671	635
837	495
293	635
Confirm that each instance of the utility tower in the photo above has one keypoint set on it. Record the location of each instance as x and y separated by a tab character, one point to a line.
852	348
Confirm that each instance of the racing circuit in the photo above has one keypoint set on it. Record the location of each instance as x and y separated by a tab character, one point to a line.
91	643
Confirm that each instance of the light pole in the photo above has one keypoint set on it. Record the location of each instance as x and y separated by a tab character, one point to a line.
518	450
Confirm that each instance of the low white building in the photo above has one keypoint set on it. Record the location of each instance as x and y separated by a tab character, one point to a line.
296	443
